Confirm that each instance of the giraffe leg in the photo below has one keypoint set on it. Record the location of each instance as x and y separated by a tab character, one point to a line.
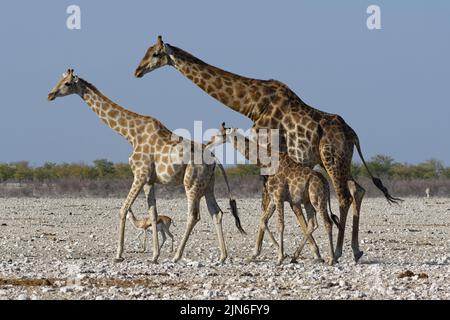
193	218
280	211
265	217
322	208
149	190
217	214
344	198
357	193
312	226
138	183
302	223
311	216
336	150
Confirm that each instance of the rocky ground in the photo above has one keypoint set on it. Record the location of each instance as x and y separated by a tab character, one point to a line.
64	249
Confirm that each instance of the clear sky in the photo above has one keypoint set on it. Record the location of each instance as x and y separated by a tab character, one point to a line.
391	85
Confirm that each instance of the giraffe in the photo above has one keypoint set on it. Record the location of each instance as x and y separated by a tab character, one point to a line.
291	183
311	137
163	224
153	161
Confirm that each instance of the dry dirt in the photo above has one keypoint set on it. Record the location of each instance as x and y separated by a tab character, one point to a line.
64	249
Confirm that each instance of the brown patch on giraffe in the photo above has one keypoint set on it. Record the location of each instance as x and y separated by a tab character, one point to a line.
205	76
229	90
123	122
218	83
170	170
137	156
113	113
223	98
166	149
278	114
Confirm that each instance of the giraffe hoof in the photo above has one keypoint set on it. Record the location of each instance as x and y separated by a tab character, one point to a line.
118	260
294	260
358	256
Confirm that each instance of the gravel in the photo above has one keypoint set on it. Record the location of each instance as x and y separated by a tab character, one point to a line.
64	249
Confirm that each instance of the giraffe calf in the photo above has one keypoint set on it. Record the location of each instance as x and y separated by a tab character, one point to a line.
163	224
292	183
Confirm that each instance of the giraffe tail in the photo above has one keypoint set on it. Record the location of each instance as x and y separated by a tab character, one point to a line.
376	181
233	205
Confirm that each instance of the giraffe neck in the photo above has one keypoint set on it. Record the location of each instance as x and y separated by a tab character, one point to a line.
113	115
249	149
232	90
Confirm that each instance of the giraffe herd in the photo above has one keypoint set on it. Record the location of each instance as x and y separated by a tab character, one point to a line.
308	137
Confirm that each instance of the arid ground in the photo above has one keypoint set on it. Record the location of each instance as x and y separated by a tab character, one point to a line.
64	249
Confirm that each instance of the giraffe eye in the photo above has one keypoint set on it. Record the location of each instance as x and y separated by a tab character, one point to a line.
156	55
67	84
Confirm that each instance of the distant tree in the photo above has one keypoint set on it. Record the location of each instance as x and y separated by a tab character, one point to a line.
122	170
46	172
379	165
104	168
431	169
7	172
356	169
23	172
243	170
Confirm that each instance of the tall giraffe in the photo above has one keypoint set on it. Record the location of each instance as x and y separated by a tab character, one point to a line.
154	160
310	136
292	183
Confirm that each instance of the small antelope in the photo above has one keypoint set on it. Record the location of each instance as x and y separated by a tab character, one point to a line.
163	224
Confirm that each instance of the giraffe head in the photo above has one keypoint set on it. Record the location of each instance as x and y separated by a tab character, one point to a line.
155	57
224	135
66	86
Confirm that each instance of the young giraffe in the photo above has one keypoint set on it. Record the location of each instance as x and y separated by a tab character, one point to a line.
155	151
290	183
162	225
310	136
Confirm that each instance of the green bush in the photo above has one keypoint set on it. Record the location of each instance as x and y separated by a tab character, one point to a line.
380	166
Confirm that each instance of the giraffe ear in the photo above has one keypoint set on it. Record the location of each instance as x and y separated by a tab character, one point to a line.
160	41
75	79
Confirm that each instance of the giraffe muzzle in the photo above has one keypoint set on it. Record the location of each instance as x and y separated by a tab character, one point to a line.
139	73
51	96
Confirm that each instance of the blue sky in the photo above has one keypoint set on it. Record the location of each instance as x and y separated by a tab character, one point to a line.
391	85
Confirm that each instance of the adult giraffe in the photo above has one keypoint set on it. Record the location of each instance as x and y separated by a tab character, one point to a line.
155	160
310	136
